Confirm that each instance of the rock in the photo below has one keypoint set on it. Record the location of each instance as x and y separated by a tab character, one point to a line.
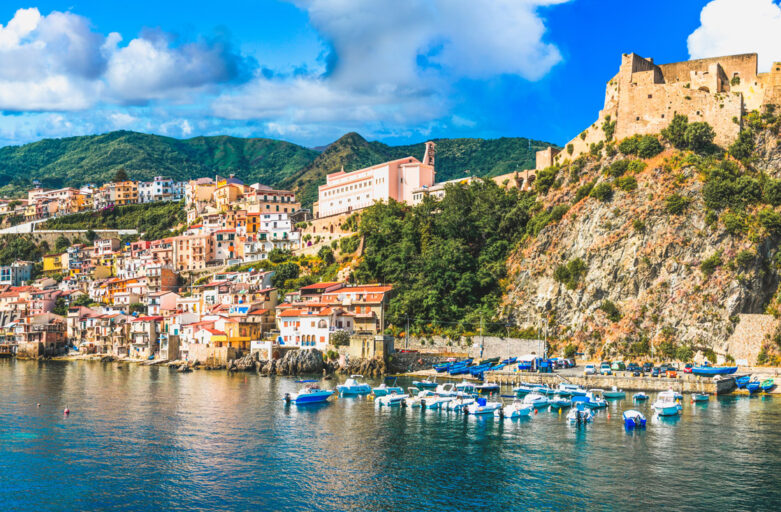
296	362
184	368
108	359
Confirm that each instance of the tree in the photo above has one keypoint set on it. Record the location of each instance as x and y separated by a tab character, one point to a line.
340	339
675	133
743	147
699	137
60	307
684	353
648	146
61	243
570	350
284	272
327	255
121	175
90	235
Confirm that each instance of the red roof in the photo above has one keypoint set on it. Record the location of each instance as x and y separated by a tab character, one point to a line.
213	331
148	319
258	312
291	312
376	288
318	286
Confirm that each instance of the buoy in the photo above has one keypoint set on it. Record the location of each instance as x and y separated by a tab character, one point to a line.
559	412
38	405
66	411
608	415
535	411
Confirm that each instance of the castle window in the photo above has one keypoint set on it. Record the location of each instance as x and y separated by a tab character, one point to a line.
698	112
637	118
650	96
662	116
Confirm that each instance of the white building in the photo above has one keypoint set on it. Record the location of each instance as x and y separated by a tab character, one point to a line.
312	329
160	189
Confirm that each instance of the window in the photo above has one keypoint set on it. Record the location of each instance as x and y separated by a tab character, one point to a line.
650	96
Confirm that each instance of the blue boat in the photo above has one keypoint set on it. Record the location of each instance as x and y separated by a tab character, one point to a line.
633	419
487	388
510	360
383	389
741	381
767	385
480	368
425	384
442	368
710	371
753	387
309	395
353	387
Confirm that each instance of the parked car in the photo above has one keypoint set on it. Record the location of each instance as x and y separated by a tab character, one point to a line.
672	373
618	366
647	367
688	368
655	372
571	363
589	370
604	369
633	367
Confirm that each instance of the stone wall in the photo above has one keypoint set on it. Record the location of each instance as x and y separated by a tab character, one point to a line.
746	341
480	348
211	356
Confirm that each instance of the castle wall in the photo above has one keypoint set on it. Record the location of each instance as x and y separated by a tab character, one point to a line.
744	65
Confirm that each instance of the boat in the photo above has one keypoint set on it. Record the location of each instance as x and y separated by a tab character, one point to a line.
483	407
497	367
710	371
767	385
753	387
570	390
353	386
459	404
614	393
466	387
559	402
417	397
392	399
640	397
580	415
522	390
741	381
425	384
517	409
443	367
435	401
633	419
488	388
536	400
311	394
592	400
667	404
492	360
700	397
383	389
479	369
447	389
460	369
509	360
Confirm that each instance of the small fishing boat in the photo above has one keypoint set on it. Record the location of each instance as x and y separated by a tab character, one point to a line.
580	415
593	399
443	367
559	402
536	400
509	360
640	397
753	387
447	389
487	388
479	369
308	395
417	397
459	404
614	393
492	360
425	384
741	381
517	409
383	389
767	385
497	367
523	390
353	386
667	404
392	399
482	407
710	371
460	369
570	390
633	419
466	387
435	401
700	397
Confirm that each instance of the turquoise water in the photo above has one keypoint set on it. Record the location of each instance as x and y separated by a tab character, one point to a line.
146	438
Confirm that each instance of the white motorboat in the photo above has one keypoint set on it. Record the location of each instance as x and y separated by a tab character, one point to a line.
580	415
482	407
353	386
667	404
536	400
466	387
391	399
517	409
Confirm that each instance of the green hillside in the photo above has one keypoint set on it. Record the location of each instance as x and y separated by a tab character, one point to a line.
74	161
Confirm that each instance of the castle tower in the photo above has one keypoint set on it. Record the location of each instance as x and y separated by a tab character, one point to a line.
431	151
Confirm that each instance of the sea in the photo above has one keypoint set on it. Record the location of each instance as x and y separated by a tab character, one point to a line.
148	438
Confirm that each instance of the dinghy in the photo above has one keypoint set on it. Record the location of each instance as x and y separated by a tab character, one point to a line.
633	419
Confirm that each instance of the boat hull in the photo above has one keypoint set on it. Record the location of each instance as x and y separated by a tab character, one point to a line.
714	370
668	410
354	390
310	398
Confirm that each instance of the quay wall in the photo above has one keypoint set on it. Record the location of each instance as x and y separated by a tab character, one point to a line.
477	347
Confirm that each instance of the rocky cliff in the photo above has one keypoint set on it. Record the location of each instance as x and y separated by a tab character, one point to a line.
649	257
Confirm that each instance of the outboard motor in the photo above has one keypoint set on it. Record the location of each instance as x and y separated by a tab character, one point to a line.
287	398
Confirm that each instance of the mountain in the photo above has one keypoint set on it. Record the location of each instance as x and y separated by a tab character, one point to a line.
454	158
74	161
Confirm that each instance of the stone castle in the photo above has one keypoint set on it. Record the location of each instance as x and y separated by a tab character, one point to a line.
643	98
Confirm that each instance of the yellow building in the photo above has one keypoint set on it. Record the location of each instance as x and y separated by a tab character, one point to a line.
52	263
124	192
228	194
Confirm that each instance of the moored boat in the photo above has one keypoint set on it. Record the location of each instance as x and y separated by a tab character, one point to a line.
741	381
459	404
536	400
384	389
483	407
753	387
558	403
570	390
487	388
640	397
580	415
614	393
593	399
667	404
767	385
353	386
308	395
392	399
714	370
425	384
517	409
700	397
633	419
522	390
466	387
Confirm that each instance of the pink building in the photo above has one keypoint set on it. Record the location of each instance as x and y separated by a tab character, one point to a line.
348	191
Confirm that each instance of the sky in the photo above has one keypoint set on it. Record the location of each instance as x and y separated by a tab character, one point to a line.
308	71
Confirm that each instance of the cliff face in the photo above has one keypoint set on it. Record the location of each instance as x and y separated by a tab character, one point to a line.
681	278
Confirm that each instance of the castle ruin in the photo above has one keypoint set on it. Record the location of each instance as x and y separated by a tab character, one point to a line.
644	97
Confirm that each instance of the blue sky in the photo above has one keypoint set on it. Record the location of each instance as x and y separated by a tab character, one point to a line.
308	71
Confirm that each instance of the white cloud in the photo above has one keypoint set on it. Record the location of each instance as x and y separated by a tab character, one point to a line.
730	27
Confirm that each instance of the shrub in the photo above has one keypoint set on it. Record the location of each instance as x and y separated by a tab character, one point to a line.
733	223
762	357
617	168
744	259
538	222
558	211
571	273
611	310
636	166
771	192
648	146
349	244
570	350
770	220
710	264
609	127
603	192
340	338
570	148
675	133
735	80
684	353
610	149
675	204
583	191
743	147
699	137
327	255
545	179
638	225
628	146
596	148
627	183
